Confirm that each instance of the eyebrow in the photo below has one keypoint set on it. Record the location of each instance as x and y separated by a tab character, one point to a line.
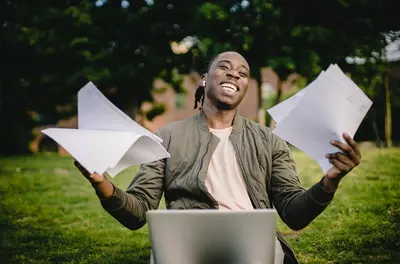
227	61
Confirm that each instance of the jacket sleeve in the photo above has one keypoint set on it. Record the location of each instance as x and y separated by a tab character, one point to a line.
144	193
296	206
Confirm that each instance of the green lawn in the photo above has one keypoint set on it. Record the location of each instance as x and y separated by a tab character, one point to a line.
50	214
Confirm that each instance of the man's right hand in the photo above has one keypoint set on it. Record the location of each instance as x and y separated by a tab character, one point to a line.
103	187
94	178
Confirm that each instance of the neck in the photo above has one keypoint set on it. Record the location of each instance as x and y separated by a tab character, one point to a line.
218	118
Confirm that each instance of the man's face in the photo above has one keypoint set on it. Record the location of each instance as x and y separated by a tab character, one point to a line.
227	80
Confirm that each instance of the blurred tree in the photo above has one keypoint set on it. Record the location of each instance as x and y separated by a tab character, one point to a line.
50	49
295	36
375	75
39	51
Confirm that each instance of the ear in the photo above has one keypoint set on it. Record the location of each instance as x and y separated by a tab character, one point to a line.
203	80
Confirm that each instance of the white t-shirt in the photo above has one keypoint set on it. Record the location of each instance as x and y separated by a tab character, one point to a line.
225	182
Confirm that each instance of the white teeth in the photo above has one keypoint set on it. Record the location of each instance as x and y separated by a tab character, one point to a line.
230	86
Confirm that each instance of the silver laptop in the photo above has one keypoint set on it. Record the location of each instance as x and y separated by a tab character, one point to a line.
212	236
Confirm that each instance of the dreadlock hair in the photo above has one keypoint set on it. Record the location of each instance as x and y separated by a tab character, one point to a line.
199	97
200	92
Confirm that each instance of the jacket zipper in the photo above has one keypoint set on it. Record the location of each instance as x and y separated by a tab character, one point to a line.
256	203
250	190
214	202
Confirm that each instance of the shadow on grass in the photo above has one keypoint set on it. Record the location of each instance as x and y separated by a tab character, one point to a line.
373	247
362	243
27	244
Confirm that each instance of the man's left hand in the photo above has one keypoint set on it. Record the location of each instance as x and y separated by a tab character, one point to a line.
343	162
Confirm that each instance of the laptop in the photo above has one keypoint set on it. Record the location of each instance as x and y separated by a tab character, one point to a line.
212	236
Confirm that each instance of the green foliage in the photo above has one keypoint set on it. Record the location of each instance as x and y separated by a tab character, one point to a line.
292	36
174	78
156	110
212	11
50	214
50	49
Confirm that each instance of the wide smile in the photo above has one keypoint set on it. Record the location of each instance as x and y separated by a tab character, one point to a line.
230	87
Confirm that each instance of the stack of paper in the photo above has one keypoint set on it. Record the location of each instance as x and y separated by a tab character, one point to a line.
321	112
106	140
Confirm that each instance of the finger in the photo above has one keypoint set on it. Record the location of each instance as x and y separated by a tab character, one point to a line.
342	158
94	175
353	144
343	168
347	149
81	168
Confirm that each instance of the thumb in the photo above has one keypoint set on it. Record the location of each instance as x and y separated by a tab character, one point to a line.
96	178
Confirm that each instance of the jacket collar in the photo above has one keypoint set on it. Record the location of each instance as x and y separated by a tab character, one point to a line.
238	122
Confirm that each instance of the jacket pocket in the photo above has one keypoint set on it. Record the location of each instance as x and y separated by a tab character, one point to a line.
182	203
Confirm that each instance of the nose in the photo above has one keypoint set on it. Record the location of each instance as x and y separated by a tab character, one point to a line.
233	74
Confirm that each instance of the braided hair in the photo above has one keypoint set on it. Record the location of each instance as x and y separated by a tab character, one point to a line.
200	92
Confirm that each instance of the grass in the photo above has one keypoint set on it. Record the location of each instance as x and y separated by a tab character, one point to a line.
50	214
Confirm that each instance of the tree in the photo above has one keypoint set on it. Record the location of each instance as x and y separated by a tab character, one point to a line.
51	49
295	36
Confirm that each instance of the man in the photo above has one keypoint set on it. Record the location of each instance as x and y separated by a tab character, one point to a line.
223	161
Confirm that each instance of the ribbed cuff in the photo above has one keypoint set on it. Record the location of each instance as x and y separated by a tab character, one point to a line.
320	195
113	202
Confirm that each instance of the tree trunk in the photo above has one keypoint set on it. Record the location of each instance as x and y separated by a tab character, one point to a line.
375	126
261	110
278	99
388	113
135	112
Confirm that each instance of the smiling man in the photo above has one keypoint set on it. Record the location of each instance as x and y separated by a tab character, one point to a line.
220	160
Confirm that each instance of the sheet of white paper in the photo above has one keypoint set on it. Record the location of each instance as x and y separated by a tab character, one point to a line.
95	111
106	140
332	105
144	150
282	109
279	111
104	150
95	150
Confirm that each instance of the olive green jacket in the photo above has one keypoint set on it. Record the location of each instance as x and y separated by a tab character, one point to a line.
266	162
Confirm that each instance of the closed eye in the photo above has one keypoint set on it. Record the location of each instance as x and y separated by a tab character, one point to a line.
224	67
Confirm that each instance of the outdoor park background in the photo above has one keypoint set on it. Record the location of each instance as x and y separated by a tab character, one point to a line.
146	57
